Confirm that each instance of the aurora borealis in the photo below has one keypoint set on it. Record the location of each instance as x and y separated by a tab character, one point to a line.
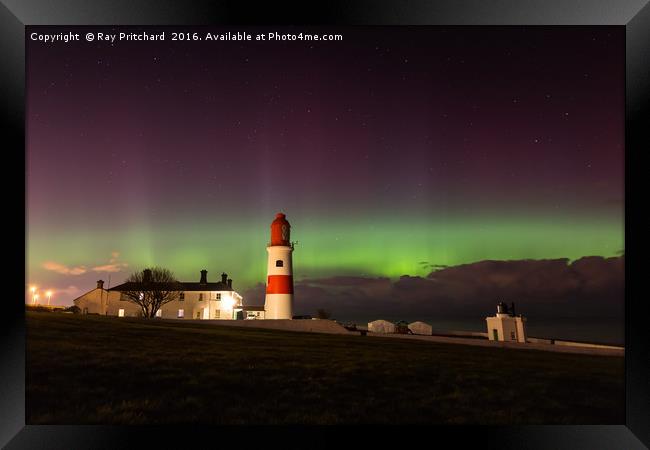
392	152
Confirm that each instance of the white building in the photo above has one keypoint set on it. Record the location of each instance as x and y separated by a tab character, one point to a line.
197	300
381	326
421	328
506	326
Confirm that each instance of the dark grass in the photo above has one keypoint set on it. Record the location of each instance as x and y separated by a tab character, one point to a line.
103	370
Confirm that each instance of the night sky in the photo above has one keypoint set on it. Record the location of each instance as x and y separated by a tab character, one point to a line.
391	152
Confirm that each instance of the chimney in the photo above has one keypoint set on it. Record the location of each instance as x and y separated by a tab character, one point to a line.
100	284
146	275
204	277
230	283
224	277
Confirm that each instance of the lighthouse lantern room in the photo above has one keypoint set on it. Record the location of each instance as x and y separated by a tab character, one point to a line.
279	285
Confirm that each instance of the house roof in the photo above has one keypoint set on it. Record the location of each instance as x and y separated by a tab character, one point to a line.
83	295
180	286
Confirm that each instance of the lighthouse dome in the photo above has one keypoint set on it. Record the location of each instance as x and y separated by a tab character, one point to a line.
280	230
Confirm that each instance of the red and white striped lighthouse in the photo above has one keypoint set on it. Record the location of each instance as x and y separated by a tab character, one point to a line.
279	284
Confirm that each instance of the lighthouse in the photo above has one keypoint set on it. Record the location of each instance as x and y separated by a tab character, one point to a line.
279	284
506	326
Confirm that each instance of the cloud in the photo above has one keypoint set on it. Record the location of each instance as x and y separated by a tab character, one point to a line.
112	266
72	291
116	267
427	264
63	269
589	286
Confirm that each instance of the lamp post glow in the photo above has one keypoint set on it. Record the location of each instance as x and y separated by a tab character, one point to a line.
49	295
33	289
36	299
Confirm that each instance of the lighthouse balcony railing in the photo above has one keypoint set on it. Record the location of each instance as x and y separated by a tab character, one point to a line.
292	244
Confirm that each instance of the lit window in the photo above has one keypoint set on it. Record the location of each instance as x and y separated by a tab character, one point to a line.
279	263
181	313
120	313
141	295
159	313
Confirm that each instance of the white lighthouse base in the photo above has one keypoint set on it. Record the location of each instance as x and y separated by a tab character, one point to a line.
278	306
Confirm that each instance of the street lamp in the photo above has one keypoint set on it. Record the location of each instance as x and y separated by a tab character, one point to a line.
33	289
49	295
36	299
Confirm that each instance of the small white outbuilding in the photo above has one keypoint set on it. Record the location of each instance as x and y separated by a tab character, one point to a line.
381	326
421	328
506	326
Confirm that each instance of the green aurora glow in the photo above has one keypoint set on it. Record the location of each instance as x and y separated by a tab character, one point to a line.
388	247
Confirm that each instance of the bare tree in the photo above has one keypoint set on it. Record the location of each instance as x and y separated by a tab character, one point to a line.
151	289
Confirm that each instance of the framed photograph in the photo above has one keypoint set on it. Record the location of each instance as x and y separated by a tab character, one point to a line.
407	222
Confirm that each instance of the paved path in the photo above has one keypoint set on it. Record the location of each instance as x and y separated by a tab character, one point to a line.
331	327
304	325
514	345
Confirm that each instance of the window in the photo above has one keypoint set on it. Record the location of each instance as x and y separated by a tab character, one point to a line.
495	335
123	296
181	313
218	295
217	314
201	296
512	335
279	263
198	314
120	313
215	296
181	297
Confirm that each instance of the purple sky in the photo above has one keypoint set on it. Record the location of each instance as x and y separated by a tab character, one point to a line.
135	146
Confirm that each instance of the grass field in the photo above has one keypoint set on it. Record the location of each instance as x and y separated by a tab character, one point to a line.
104	370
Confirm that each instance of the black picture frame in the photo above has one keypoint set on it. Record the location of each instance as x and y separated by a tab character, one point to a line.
634	15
